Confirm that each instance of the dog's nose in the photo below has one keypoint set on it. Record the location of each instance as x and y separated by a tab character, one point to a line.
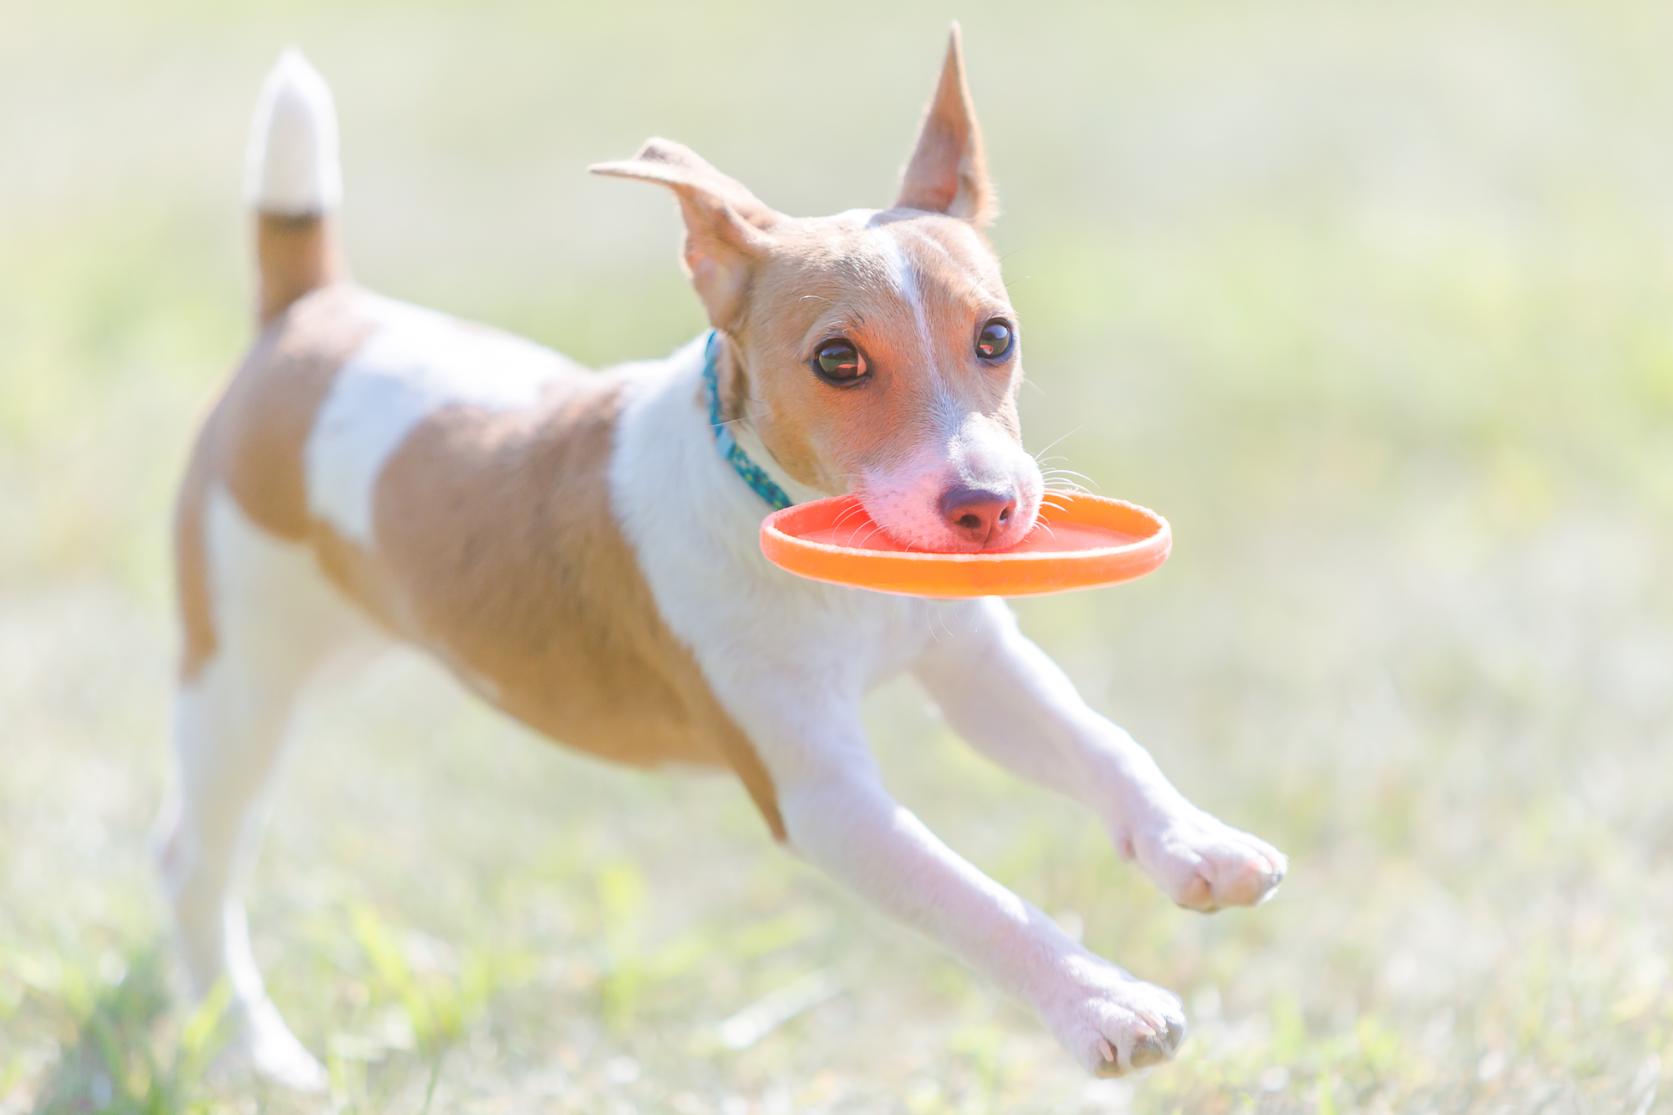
976	513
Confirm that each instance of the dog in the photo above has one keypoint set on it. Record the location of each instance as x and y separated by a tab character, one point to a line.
579	549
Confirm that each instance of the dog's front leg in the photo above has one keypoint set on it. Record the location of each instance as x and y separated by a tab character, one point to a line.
1012	702
838	817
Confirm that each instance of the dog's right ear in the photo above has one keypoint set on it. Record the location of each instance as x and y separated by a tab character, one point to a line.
727	228
948	172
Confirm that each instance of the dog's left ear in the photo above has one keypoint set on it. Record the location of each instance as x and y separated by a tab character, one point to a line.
948	172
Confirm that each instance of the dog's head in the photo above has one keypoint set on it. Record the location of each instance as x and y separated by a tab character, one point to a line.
874	351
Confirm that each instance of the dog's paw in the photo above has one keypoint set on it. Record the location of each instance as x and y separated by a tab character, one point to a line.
1203	863
1111	1022
261	1043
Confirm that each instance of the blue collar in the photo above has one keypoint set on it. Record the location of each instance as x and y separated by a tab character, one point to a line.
742	464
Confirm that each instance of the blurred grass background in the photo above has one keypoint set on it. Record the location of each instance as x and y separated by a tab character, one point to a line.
1372	300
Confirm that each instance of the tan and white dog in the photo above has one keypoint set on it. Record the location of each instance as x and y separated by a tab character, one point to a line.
577	550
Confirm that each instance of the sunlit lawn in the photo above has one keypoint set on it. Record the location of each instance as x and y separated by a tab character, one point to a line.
1373	303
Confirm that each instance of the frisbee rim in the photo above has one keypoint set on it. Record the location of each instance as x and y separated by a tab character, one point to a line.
984	573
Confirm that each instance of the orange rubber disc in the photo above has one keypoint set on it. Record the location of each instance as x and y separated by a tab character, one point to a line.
1081	541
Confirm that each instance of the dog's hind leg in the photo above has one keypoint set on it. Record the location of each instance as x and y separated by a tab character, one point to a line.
228	727
274	618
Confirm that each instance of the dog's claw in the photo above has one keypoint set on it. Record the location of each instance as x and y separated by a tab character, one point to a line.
1204	864
1111	1022
1152	1050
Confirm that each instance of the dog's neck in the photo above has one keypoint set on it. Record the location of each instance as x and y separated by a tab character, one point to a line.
694	525
734	412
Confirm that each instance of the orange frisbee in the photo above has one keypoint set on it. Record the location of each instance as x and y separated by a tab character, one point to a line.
1080	541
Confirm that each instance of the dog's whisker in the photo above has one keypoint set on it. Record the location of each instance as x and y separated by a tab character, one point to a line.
1069	472
869	535
847	516
1057	440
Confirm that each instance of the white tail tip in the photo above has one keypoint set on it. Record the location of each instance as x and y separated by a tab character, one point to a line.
293	169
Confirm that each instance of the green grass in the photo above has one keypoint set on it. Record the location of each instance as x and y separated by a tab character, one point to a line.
1373	301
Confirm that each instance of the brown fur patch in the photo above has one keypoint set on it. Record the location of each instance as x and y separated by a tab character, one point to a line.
191	567
252	442
525	581
270	405
294	255
832	277
496	549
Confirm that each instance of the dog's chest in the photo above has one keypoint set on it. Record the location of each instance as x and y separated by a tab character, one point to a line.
693	525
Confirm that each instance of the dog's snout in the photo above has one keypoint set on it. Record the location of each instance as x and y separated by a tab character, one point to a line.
977	514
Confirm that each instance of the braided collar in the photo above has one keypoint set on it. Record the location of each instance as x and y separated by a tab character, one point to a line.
742	463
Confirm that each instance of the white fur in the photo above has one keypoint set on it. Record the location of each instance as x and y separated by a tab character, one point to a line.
292	168
967	449
904	278
414	364
694	524
275	619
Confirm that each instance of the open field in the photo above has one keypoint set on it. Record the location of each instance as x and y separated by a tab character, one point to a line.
1374	301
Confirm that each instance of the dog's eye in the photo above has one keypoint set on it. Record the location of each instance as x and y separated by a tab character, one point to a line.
839	362
994	341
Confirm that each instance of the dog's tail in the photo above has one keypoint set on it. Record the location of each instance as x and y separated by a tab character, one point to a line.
294	183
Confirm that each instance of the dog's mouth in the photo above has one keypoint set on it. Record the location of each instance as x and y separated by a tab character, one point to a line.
927	528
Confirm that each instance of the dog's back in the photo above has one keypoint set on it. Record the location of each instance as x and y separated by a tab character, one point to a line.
448	479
